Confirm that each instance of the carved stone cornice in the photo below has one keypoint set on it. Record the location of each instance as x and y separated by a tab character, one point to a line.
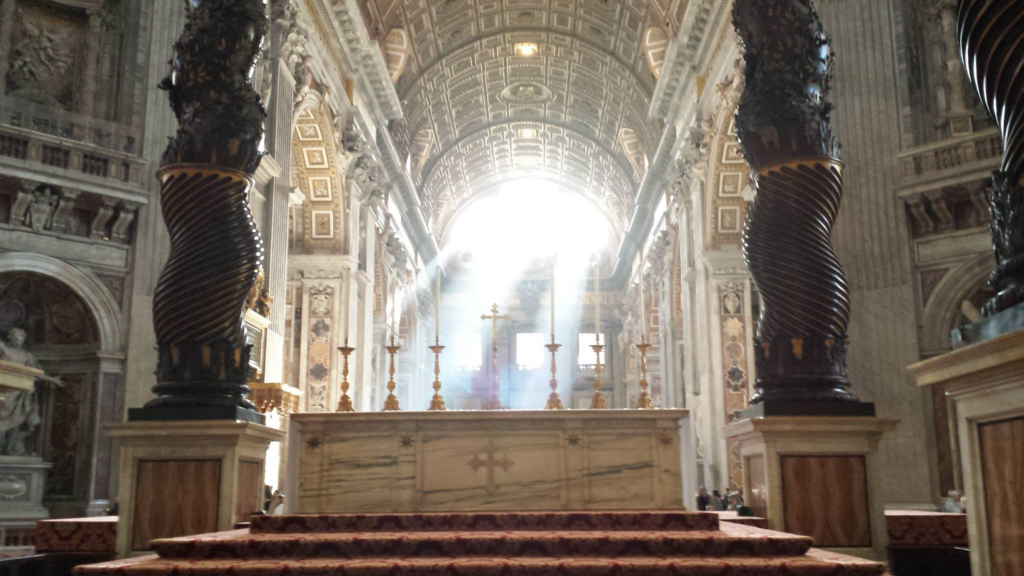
684	53
353	36
304	267
650	193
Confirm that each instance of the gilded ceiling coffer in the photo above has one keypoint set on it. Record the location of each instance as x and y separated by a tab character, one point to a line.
990	35
783	126
216	249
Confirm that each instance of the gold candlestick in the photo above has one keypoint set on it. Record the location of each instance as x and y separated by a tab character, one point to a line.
554	401
345	403
391	402
598	402
437	402
644	401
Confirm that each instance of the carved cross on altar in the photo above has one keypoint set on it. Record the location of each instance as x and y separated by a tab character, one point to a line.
491	462
494	403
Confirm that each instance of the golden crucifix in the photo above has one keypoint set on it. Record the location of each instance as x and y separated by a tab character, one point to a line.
494	403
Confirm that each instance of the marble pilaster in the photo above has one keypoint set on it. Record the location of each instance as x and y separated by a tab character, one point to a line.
152	242
7	21
93	33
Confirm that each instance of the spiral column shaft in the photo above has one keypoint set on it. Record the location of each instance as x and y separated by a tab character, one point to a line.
783	126
206	175
991	37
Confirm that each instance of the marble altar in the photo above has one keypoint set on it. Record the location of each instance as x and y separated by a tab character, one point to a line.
489	460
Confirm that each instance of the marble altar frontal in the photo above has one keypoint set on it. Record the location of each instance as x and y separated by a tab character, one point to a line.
489	460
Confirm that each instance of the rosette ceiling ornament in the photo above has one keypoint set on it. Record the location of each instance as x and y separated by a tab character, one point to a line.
216	250
784	130
556	113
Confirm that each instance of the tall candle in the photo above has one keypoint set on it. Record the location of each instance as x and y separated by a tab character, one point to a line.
437	306
552	303
394	307
643	309
597	301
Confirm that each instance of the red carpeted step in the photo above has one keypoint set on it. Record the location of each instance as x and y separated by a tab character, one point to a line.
483	521
514	544
814	564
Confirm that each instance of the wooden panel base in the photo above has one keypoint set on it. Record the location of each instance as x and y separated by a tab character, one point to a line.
826	498
1002	461
174	498
183	478
250	490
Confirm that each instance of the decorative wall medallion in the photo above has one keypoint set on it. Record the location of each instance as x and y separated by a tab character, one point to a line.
732	154
323	224
309	132
315	158
320	300
730	184
729	219
14	487
665	437
320	189
526	93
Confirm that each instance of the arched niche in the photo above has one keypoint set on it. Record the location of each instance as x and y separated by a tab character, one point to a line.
943	307
85	285
63	335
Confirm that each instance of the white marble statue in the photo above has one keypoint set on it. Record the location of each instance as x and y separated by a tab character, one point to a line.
19	412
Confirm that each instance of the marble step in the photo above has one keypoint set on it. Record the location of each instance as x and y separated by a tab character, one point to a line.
509	544
815	563
483	521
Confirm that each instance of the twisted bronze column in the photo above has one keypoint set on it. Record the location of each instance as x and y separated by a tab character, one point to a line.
216	250
991	36
783	126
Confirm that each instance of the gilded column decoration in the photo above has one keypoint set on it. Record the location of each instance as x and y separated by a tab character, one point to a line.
206	174
318	375
785	134
734	367
990	36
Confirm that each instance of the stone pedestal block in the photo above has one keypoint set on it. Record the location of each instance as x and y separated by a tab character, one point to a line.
984	385
817	476
188	477
22	482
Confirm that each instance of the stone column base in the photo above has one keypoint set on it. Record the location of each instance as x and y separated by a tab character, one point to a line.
22	483
984	383
817	476
179	478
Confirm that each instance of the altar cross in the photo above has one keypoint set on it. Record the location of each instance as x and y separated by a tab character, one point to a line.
491	462
494	403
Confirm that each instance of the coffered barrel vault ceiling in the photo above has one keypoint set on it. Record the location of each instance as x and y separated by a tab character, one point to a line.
493	116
